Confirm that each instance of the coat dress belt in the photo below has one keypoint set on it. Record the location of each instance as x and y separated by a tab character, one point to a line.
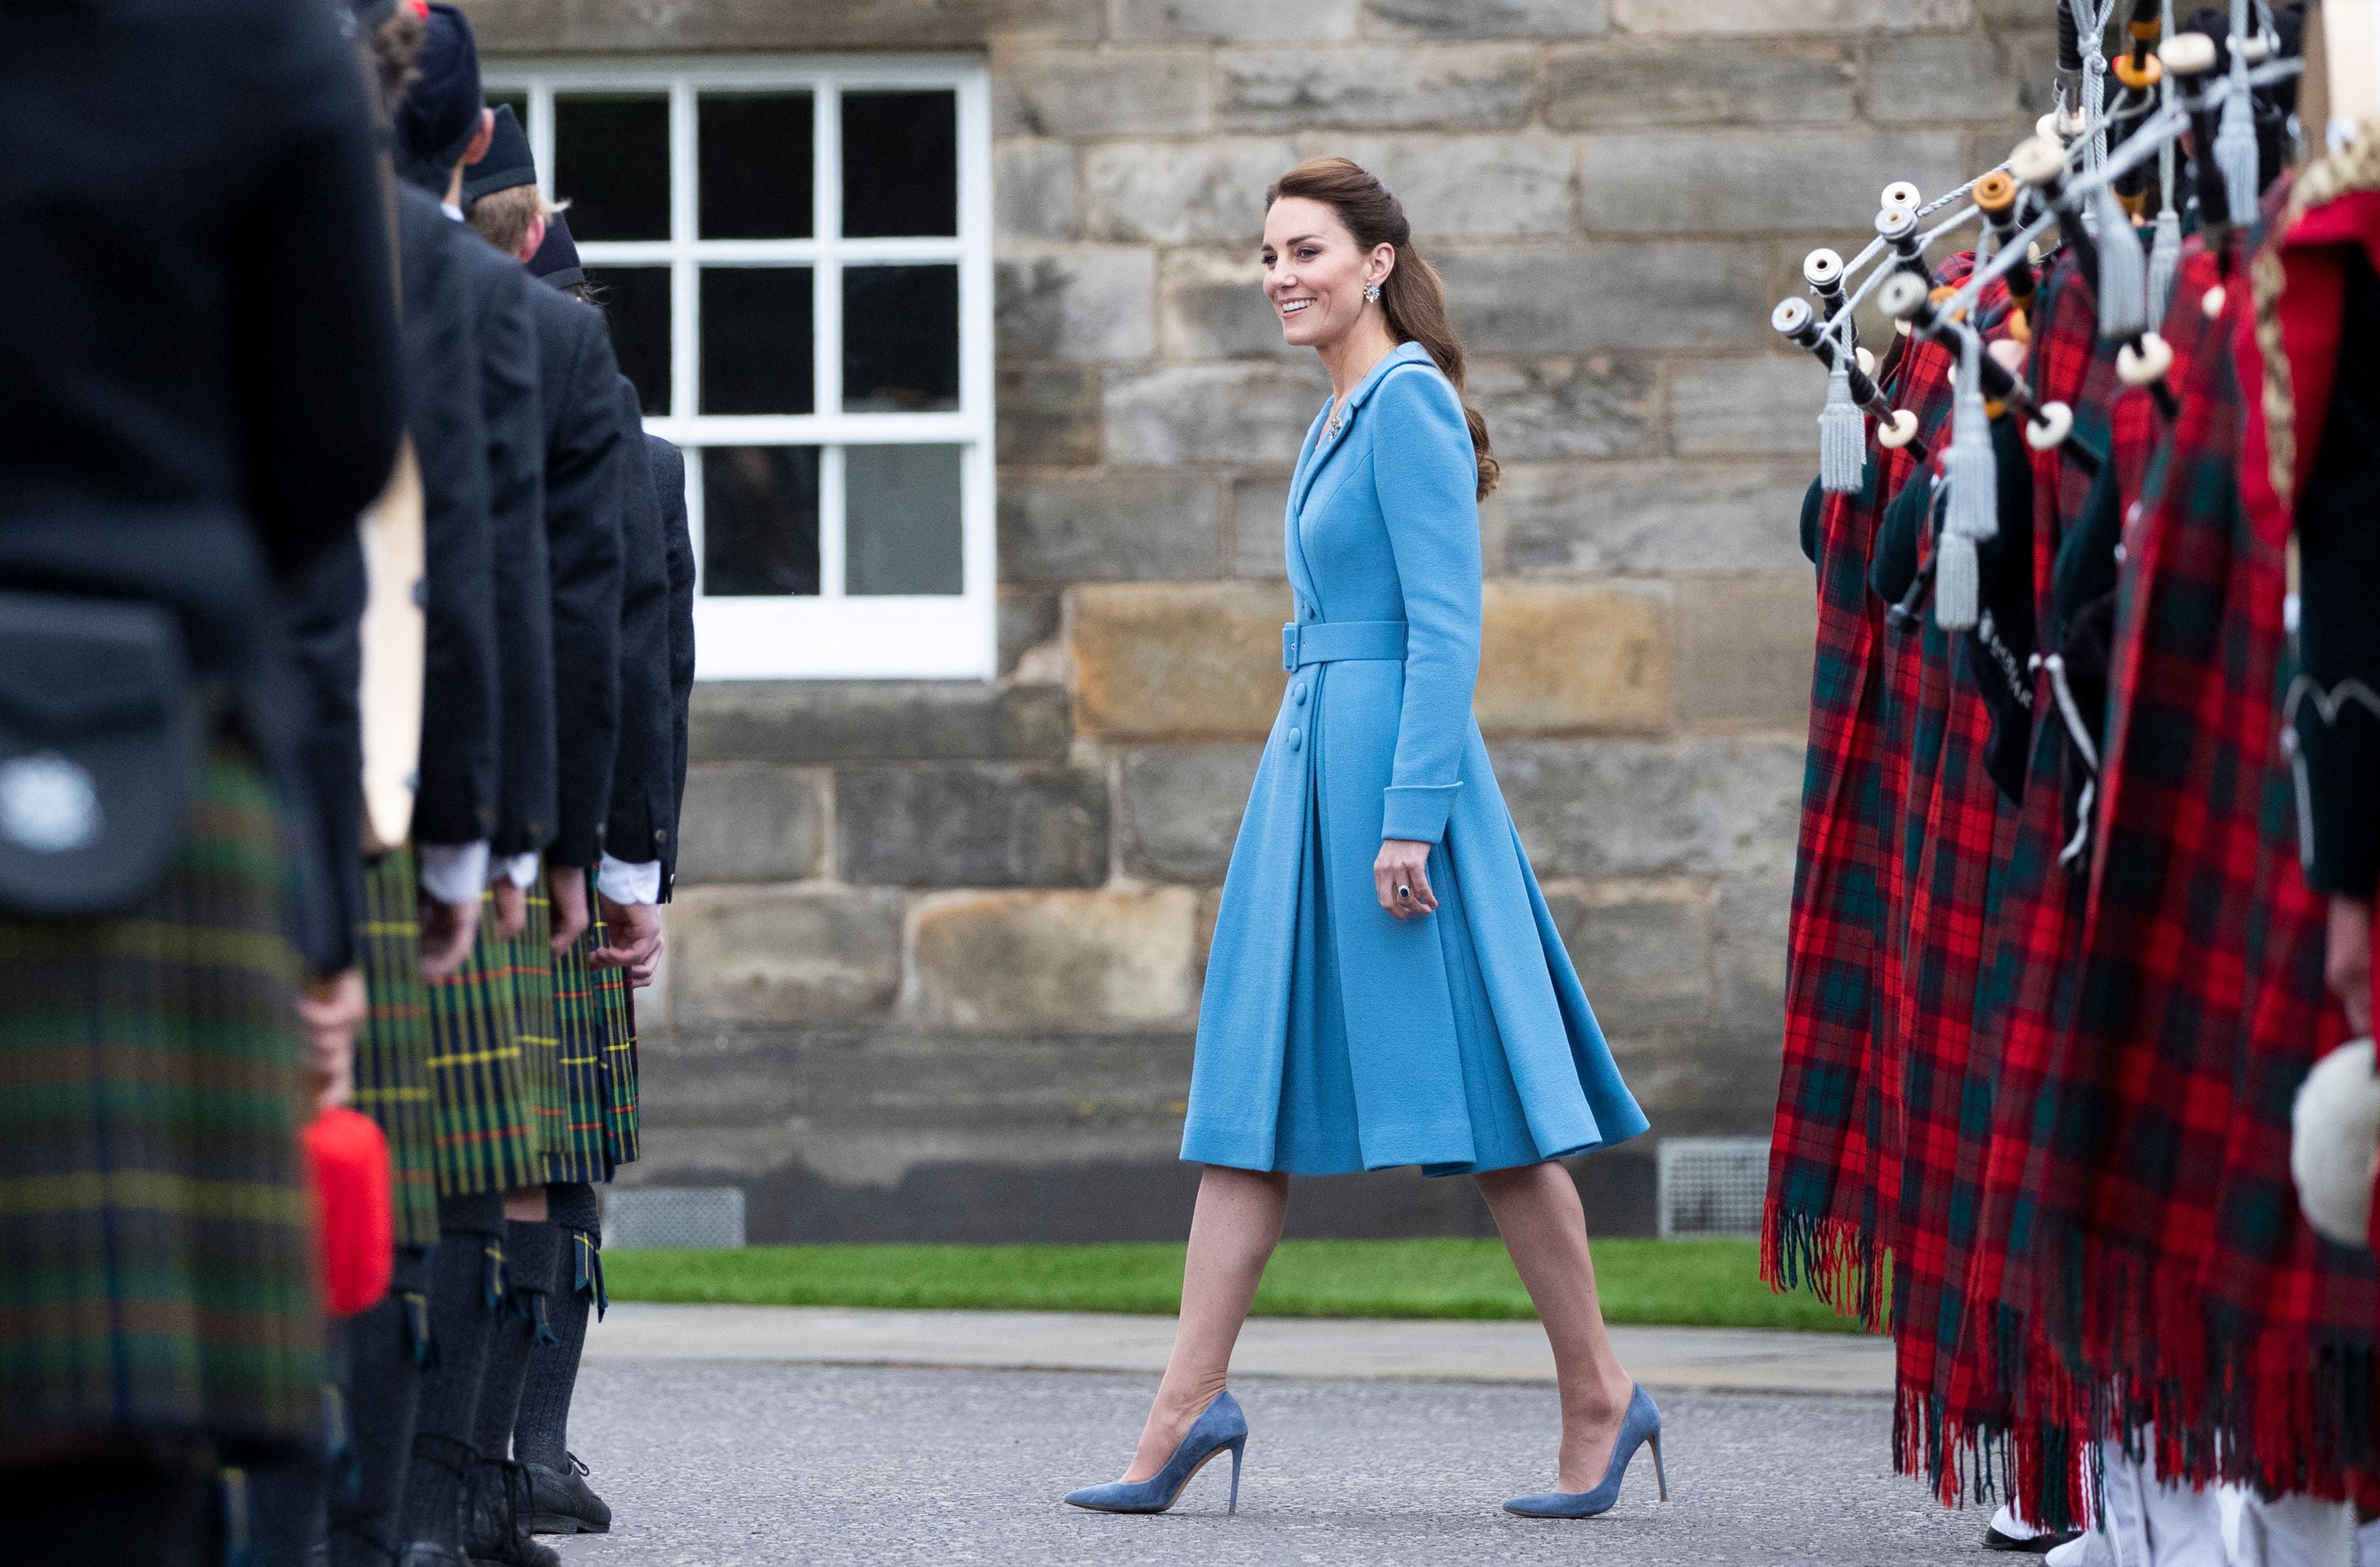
1334	641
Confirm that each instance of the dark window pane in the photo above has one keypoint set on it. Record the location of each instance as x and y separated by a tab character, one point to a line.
756	157
759	520
635	301
757	357
900	339
901	520
900	164
611	163
516	98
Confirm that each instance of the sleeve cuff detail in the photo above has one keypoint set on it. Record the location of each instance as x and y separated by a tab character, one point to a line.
454	873
626	882
1417	812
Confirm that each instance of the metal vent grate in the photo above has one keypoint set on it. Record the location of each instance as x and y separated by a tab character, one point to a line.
677	1218
1713	1185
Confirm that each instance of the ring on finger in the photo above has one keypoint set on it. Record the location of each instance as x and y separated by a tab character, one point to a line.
1404	893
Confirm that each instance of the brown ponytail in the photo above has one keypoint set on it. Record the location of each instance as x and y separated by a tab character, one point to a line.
1414	297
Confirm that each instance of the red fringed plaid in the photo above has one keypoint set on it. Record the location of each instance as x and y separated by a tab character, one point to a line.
1956	832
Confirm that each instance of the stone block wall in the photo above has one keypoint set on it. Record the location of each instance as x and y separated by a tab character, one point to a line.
935	967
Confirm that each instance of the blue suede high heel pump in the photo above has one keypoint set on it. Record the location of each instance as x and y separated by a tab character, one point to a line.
1642	1424
1220	1428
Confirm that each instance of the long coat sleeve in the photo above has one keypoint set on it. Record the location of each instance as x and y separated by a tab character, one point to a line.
577	378
643	797
669	483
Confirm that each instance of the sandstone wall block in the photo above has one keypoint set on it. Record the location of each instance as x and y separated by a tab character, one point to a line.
1592	406
1751	925
1181	808
1621	86
1644	957
1696	17
1046	414
1211	305
1231	22
1105	92
1766	406
835	720
1468	187
1035	190
1756	181
1948	76
1565	659
971	824
1178	662
749	821
1078	303
1569	298
1183	193
1110	526
1433	19
1259	511
1707	806
1029	617
1643	519
609	26
1062	960
1745	646
750	954
1217	413
1453	86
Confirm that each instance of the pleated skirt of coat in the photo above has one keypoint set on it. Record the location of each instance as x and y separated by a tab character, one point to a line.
157	1261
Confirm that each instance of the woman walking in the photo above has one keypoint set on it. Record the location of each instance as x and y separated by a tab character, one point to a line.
1386	986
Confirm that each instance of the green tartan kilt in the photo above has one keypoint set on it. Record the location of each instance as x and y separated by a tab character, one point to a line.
541	1040
486	1142
619	1005
393	1082
157	1267
583	1150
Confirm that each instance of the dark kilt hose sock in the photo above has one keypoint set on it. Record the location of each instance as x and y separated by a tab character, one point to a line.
499	1516
561	1500
388	1348
284	1497
465	1295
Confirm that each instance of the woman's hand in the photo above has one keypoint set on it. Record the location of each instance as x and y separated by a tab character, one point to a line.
1401	874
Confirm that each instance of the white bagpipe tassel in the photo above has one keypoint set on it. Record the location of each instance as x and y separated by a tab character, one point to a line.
2123	290
1842	433
2165	251
1971	516
2235	140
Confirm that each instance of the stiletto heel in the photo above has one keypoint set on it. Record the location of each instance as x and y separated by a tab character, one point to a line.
1641	1424
1221	1427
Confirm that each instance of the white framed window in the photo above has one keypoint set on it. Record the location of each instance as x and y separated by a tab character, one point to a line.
795	257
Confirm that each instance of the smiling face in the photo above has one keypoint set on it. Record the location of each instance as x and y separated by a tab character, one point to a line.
1316	273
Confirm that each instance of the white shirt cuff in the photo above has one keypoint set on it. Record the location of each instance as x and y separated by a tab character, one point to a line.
519	869
454	873
626	882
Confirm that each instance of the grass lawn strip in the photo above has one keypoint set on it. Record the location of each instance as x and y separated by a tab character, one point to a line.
1704	1284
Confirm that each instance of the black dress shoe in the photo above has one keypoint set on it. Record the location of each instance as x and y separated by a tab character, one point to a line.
495	1528
427	1553
2030	1544
561	1501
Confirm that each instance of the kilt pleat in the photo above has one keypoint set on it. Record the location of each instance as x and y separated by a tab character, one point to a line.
157	1265
486	1140
620	1118
581	1151
392	1080
530	969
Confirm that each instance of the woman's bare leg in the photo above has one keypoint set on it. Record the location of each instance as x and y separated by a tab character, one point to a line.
1232	1233
1538	1212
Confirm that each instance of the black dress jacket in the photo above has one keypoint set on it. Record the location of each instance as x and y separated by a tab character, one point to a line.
668	484
644	788
460	700
199	386
523	610
585	440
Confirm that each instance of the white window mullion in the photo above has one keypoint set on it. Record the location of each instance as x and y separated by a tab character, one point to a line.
541	134
826	181
686	281
694	509
831	552
975	339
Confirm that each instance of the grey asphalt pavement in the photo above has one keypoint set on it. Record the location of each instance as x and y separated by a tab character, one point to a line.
719	1464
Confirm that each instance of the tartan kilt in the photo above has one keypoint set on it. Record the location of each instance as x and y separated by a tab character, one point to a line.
392	1082
597	1022
157	1260
532	971
486	1139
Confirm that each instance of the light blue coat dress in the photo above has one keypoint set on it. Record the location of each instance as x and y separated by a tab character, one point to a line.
1333	1037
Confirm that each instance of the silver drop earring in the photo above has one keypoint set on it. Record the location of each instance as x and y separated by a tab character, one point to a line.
1372	292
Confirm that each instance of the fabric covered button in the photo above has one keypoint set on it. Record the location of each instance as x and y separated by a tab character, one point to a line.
1297	693
1296	738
